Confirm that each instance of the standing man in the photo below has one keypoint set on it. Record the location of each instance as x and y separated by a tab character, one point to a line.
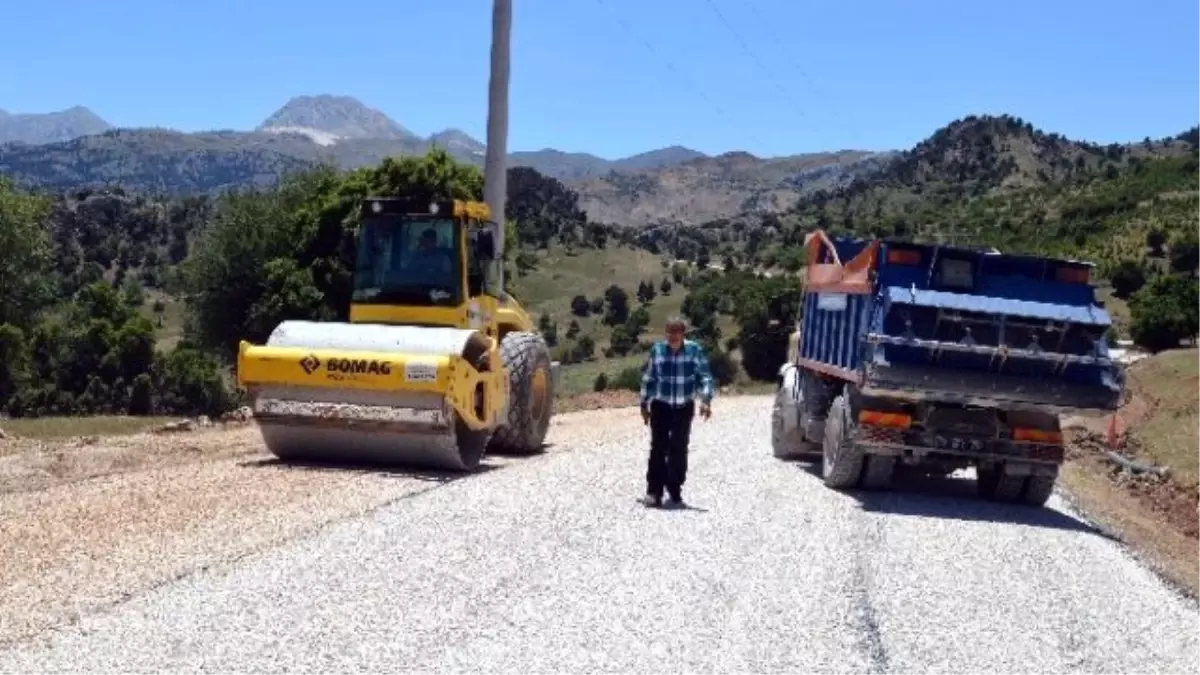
676	373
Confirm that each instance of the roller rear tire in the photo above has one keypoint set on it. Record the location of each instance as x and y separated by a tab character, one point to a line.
530	397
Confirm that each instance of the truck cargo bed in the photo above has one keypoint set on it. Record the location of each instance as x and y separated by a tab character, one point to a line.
922	322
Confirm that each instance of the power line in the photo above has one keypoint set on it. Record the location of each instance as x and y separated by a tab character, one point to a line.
679	74
766	24
766	29
761	66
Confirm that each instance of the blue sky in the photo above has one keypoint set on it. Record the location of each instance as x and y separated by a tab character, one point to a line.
616	77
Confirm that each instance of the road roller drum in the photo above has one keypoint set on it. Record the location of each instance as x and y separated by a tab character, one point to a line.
426	396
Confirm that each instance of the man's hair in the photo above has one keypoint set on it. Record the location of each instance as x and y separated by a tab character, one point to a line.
677	322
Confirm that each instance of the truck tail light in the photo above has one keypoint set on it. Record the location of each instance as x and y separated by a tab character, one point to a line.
1037	436
885	419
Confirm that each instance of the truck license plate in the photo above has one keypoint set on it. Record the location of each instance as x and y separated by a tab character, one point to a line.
958	443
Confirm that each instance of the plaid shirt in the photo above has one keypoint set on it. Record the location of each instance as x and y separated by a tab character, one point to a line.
676	377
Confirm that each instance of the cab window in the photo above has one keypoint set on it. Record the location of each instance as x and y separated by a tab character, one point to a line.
409	261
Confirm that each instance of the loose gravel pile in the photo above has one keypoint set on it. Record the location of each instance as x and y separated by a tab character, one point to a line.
547	565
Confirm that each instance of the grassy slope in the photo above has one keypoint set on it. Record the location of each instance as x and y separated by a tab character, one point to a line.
1158	518
559	277
1168	385
578	378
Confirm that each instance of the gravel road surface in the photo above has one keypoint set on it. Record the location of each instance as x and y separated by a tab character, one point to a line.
547	564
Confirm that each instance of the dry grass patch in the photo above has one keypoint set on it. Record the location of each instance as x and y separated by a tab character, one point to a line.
68	427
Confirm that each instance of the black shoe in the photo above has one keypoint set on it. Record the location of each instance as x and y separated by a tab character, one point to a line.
675	502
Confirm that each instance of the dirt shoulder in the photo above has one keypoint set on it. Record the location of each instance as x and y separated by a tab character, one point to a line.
86	523
1157	512
34	464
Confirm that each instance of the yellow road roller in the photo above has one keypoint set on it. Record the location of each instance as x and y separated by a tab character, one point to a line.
437	366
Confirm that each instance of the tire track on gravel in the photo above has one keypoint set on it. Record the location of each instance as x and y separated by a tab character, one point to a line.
867	623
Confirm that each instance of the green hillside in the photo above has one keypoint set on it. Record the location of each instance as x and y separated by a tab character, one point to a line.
122	301
986	181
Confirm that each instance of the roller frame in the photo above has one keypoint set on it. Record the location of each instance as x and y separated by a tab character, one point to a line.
452	377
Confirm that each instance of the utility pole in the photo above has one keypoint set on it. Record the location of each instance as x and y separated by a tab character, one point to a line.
495	178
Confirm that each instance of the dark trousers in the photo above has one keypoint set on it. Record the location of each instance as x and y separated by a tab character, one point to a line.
670	429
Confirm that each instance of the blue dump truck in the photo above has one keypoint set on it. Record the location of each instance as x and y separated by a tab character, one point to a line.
941	358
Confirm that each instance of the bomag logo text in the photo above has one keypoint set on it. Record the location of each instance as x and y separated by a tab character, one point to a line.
357	366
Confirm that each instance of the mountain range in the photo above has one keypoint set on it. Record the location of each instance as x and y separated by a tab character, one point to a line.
53	127
75	147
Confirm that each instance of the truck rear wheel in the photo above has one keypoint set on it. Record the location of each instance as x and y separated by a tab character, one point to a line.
995	485
841	460
878	471
1038	490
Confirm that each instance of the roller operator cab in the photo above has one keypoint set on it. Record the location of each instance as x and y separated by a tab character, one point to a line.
941	358
427	263
437	364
